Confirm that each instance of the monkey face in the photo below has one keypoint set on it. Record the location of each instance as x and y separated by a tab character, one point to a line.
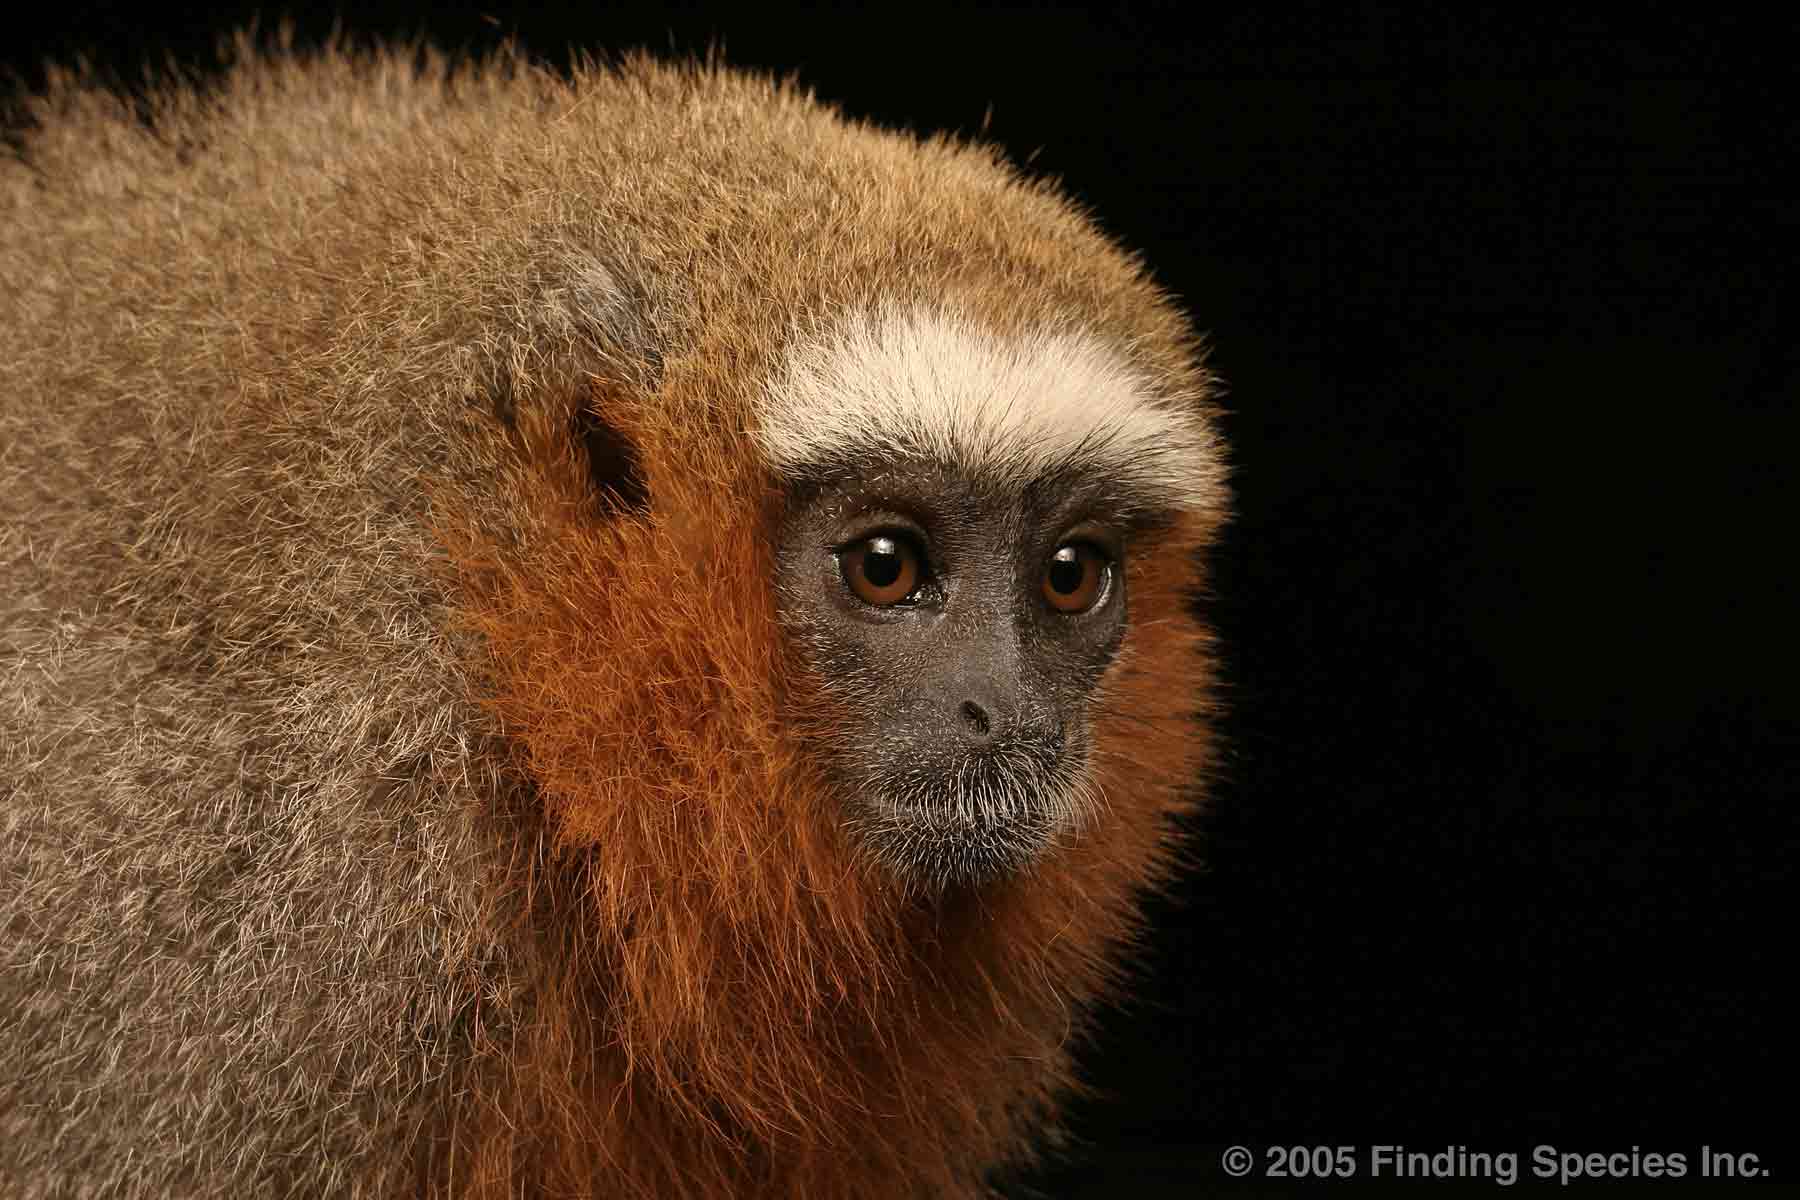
963	628
962	501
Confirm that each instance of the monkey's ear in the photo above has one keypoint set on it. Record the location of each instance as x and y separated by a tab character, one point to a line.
613	469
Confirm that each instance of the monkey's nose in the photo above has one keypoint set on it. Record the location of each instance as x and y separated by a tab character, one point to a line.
976	722
985	711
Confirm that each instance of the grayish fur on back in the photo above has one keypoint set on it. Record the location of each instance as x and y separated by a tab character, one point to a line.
248	925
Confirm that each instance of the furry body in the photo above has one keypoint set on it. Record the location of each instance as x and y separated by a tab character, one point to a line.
408	789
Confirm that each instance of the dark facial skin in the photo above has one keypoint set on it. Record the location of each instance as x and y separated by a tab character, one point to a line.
968	694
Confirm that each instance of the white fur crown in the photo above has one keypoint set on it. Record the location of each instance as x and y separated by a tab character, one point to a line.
1010	409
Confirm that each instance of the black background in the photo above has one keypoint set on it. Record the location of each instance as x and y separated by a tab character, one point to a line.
1502	848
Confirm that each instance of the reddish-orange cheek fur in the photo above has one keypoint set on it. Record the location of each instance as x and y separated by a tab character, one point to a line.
734	1002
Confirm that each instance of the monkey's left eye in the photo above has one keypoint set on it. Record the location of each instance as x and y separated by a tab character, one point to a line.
883	570
1075	578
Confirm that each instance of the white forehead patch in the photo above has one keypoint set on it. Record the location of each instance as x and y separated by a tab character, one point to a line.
1009	409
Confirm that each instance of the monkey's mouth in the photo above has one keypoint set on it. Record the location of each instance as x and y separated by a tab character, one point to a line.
992	817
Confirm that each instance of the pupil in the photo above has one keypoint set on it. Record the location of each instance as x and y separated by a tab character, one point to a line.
881	564
1066	576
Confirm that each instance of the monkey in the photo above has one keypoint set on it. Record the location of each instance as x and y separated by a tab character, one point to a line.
612	633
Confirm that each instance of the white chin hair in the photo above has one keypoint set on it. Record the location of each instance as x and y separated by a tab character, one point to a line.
970	836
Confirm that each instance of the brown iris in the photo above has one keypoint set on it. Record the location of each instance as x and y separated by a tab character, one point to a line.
1074	578
882	570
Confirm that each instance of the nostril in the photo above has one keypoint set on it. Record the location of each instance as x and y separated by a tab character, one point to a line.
977	717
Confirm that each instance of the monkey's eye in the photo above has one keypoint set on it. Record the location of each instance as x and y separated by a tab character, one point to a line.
1075	578
883	569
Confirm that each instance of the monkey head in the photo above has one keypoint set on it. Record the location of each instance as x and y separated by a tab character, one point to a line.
953	563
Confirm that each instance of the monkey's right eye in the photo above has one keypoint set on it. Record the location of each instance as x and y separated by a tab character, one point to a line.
882	570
